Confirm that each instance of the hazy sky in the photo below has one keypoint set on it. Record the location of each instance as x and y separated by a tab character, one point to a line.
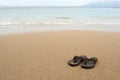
48	2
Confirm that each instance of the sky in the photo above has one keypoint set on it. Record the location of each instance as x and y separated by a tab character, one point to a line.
48	2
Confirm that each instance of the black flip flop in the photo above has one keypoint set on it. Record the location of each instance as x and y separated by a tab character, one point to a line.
89	63
76	60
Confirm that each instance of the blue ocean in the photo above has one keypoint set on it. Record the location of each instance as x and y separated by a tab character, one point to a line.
29	19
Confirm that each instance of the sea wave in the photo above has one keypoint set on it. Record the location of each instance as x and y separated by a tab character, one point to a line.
59	21
63	18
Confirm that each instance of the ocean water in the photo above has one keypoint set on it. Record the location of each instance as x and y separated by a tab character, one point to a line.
27	19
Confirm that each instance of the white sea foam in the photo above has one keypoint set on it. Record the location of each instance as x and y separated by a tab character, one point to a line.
61	22
20	26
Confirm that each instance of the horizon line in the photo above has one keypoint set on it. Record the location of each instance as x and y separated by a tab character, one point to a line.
57	6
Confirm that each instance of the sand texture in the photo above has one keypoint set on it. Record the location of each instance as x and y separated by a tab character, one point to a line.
44	55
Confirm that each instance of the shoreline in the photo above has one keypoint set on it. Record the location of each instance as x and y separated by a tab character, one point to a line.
45	31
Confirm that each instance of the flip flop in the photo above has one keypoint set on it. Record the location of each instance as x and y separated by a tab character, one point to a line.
76	60
89	63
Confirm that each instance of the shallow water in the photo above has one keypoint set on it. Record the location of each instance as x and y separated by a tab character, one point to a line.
27	19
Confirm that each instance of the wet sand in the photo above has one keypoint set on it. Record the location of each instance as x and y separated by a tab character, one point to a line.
44	55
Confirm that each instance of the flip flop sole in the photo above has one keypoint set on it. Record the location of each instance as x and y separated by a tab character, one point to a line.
89	63
72	63
87	66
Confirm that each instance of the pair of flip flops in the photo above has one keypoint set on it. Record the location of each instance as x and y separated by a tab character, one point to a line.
84	61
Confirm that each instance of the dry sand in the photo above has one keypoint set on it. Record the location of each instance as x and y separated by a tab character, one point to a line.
44	55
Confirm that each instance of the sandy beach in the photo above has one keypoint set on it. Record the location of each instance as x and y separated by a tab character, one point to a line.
44	55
